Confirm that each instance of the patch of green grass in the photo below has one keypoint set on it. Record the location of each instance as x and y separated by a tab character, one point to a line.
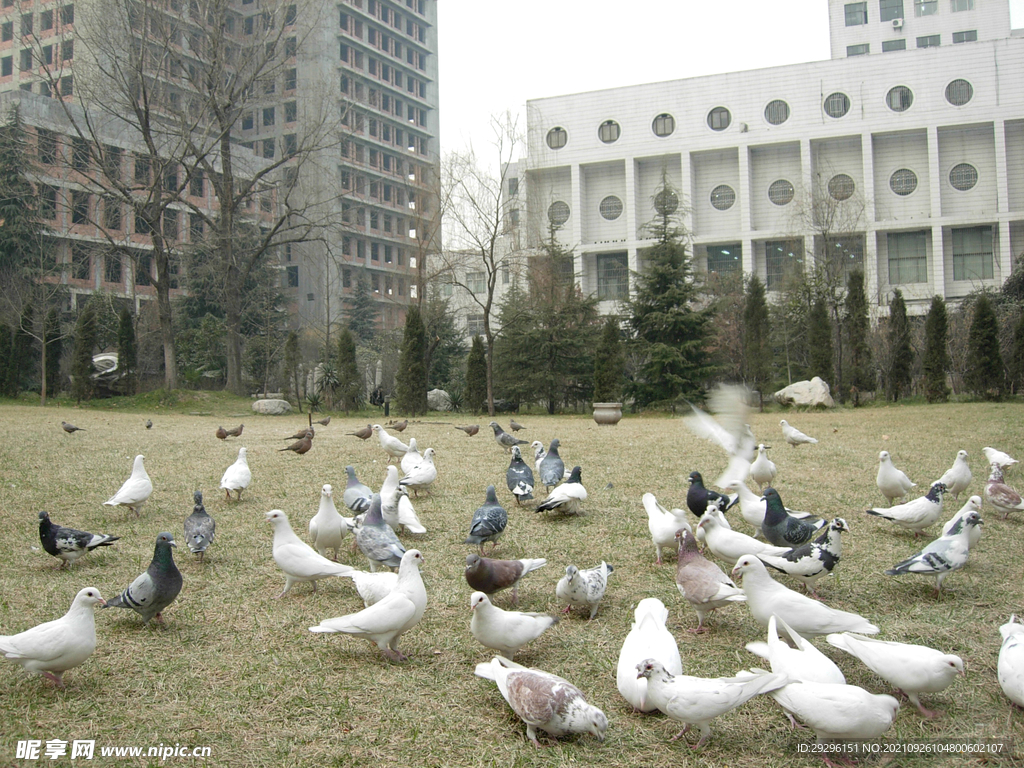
239	671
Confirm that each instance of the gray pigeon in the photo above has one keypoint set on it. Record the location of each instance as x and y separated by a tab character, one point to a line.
149	423
519	477
941	557
69	544
504	439
357	495
488	523
377	540
489	576
784	530
155	589
199	528
552	469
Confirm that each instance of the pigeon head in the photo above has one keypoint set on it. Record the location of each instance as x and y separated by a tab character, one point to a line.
747	564
649	668
575	476
326	491
696	478
597	723
477	598
276	516
935	492
554	446
839	524
44	517
472	561
242	453
972	519
165	539
496	427
517	455
571	572
947	666
492	497
413	556
961	455
783	423
197	497
771	497
883	457
378	428
89	597
687	545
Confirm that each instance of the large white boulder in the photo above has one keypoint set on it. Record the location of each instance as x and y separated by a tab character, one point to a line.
272	407
438	400
813	392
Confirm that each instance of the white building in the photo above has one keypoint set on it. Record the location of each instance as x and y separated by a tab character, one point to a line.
919	143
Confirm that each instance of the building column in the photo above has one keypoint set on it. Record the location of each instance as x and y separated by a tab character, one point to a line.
745	201
576	203
632	259
1004	255
871	266
807	182
937	263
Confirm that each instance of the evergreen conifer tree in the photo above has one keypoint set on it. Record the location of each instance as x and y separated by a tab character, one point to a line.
127	351
935	361
54	341
81	361
5	356
361	314
819	340
350	383
757	344
22	359
861	375
901	353
411	380
985	362
20	239
1017	364
608	364
292	360
476	377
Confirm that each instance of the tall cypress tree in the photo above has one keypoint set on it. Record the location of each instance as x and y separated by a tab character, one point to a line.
667	323
1017	364
350	383
901	353
476	377
411	380
819	340
608	364
757	338
985	362
935	361
22	360
81	361
861	375
362	311
127	351
20	239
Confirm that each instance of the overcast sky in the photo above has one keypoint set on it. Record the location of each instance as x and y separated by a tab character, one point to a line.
493	56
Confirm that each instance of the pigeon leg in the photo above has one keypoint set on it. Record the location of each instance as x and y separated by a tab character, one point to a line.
515	594
567	608
55	678
920	707
314	585
682	733
531	734
228	494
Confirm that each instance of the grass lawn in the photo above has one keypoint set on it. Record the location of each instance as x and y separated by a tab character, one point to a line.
238	671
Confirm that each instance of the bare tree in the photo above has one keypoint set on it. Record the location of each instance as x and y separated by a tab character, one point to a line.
475	217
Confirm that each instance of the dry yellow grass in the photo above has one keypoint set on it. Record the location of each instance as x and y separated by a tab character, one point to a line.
238	671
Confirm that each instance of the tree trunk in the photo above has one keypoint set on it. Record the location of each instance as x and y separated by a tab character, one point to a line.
163	302
42	365
233	323
490	373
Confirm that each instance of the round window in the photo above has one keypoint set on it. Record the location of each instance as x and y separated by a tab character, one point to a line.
777	112
558	213
837	104
719	119
841	187
903	182
723	197
609	131
666	202
664	125
959	92
611	208
781	192
899	98
963	176
557	138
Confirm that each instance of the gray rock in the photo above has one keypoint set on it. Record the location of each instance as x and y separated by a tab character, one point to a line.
272	407
438	400
813	392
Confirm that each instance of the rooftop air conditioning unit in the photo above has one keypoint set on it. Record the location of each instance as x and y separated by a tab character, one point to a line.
897	23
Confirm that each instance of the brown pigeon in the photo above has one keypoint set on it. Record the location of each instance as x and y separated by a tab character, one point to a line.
222	433
363	434
399	426
300	446
1001	496
471	430
69	428
236	432
301	434
489	576
704	585
324	421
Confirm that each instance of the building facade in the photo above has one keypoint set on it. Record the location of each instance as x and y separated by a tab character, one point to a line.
903	155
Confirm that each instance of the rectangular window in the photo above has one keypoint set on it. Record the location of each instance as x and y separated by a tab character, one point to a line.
375	282
926	7
144	270
81	262
47	55
67	50
195	227
67	14
388	254
113	271
291	47
7	31
725	259
290	14
782	258
268	116
111	214
612	276
908	257
476	282
858	50
170	225
375	252
7	66
972	253
79	154
79	207
970	36
45	21
474	325
291	111
67	86
268	148
894	45
293	276
929	41
26	24
247	121
346	278
47	202
291	79
890	9
46	146
856	14
195	184
26	59
961	5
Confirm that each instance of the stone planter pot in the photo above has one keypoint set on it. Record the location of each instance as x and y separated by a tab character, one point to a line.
607	413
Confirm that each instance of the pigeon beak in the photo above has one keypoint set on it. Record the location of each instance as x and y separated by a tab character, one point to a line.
173	544
101	602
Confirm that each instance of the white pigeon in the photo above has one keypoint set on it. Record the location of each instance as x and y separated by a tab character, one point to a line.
729	429
714	510
798	659
373	587
807	617
794	436
892	482
412	457
763	469
730	545
539	452
648	639
1010	667
699	700
393	447
913	669
384	622
56	646
993	456
505	631
544	701
422	476
583	589
663	524
752	506
407	517
973	505
957	477
942	556
237	477
327	527
299	561
916	514
389	498
838	712
567	497
136	489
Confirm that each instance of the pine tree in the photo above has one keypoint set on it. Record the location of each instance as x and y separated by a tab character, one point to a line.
20	235
757	332
127	351
476	377
362	311
861	376
985	362
5	356
901	353
292	360
54	341
1017	364
608	364
23	356
514	378
935	361
819	340
411	380
81	360
669	328
350	383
